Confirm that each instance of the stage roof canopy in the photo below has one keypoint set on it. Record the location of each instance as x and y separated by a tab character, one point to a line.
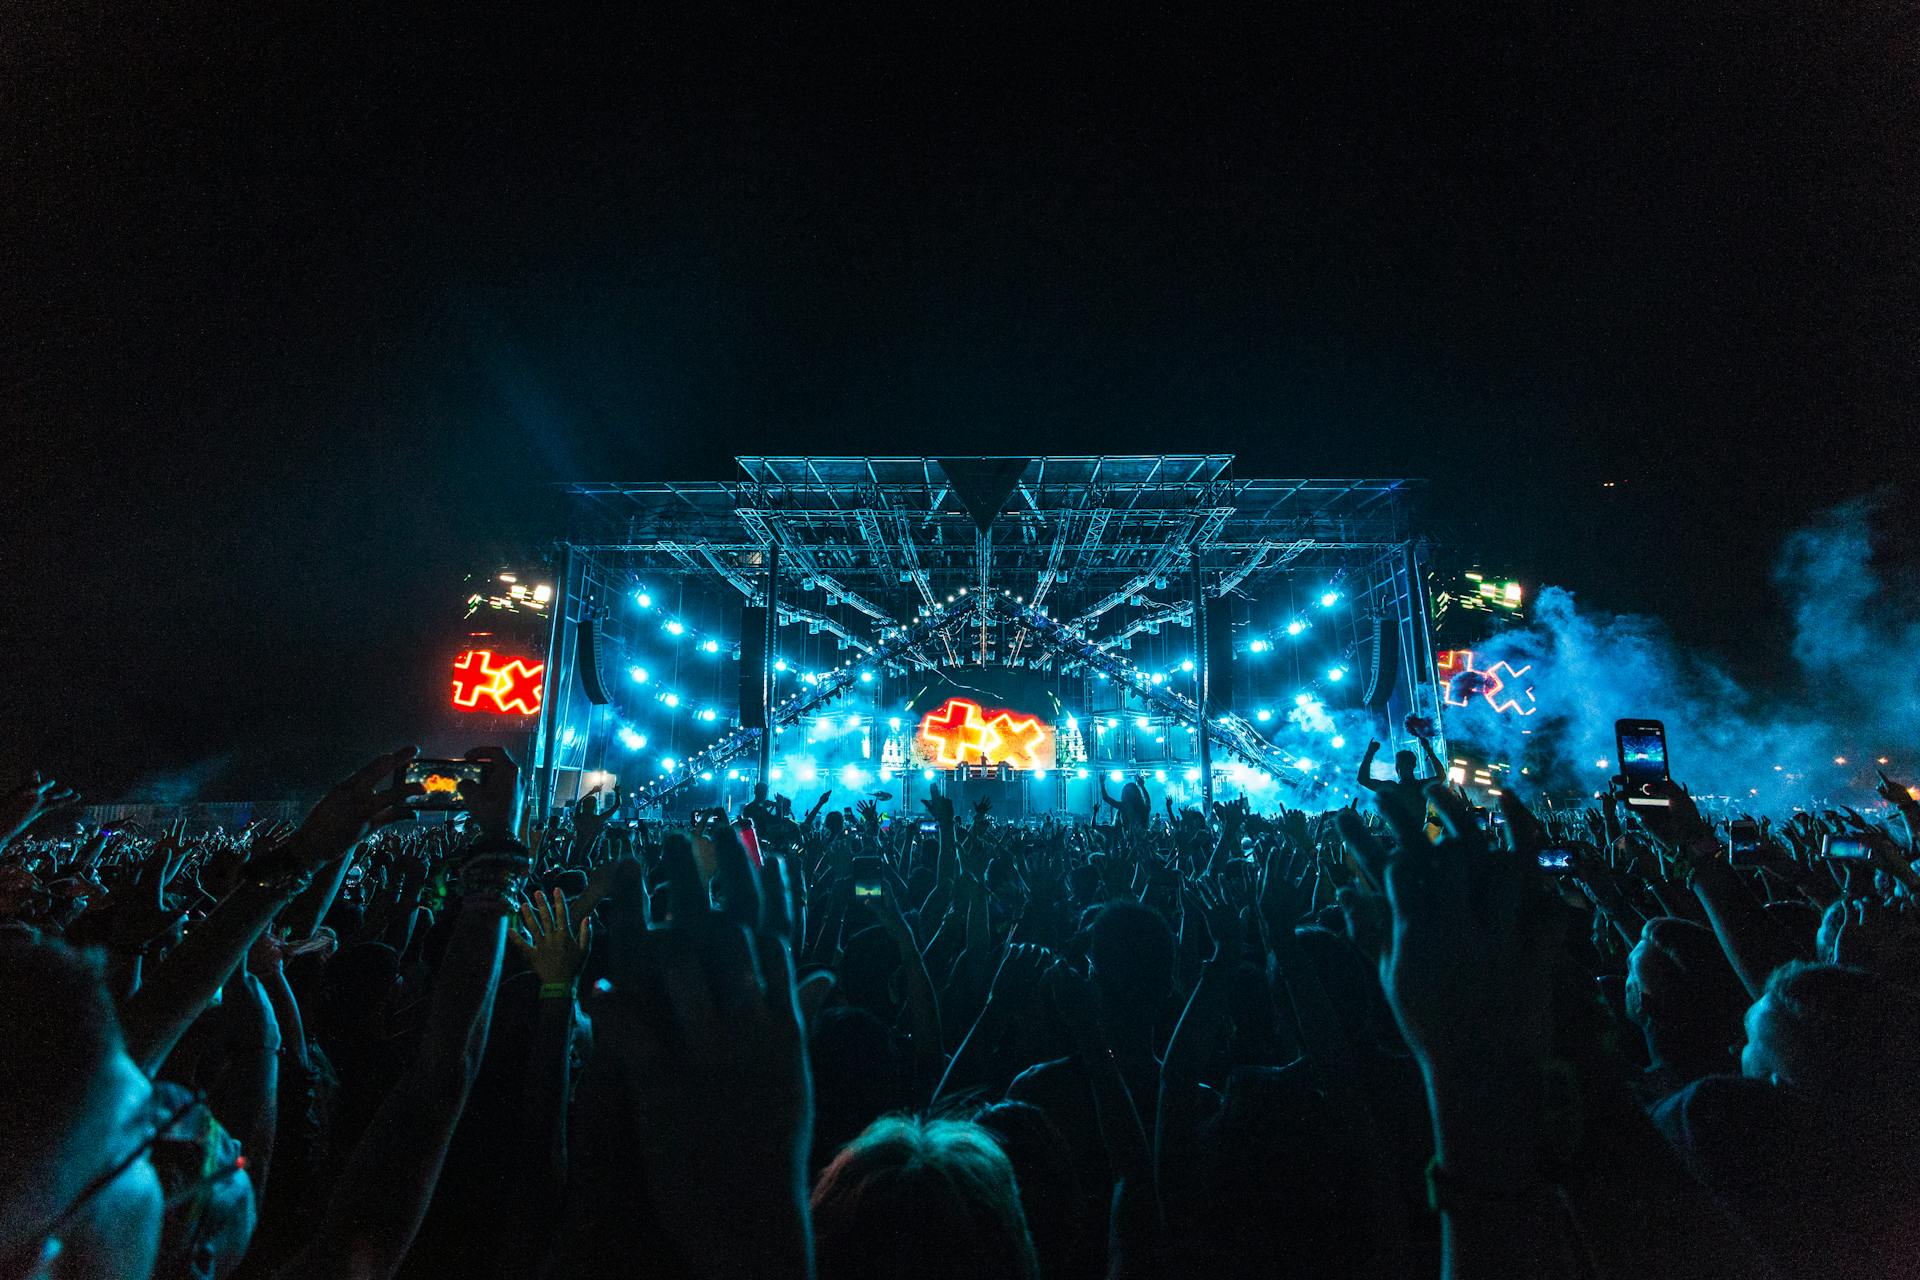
874	540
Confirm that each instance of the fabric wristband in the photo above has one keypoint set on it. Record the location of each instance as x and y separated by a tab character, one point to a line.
556	991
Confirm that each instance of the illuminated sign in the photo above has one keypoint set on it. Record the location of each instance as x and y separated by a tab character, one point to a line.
961	731
503	686
1501	685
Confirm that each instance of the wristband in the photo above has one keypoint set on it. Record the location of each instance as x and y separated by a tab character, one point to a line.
556	991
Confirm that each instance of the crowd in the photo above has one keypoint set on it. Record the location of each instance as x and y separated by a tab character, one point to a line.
1412	1041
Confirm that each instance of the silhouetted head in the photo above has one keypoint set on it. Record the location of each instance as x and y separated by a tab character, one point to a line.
934	1200
1406	766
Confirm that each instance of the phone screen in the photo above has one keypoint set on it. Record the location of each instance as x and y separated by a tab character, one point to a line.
441	780
1643	751
1847	849
1743	842
867	889
1556	862
929	827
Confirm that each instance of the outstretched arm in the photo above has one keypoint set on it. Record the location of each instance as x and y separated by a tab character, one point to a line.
390	1179
1365	774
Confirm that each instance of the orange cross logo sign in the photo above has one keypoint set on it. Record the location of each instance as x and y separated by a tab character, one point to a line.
961	731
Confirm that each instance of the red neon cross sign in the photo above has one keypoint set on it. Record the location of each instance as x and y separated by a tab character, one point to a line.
507	686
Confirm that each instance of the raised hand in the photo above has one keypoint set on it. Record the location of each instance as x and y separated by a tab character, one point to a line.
553	947
1468	967
703	1024
31	801
938	806
1019	974
1222	920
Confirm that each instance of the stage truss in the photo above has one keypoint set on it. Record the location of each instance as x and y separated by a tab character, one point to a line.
1084	555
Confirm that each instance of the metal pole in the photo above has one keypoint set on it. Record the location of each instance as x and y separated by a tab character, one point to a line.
1203	691
556	622
767	657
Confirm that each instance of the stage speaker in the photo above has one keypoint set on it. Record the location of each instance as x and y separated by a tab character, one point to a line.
753	662
1219	649
1383	663
586	661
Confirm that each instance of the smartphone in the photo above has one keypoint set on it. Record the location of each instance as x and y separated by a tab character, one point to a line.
929	827
1743	842
1642	748
867	887
1556	862
442	779
1846	849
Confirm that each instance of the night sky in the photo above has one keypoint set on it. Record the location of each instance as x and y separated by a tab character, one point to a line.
305	311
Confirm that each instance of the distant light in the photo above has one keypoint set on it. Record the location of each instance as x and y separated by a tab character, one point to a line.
1258	646
1883	760
675	627
1305	765
1295	627
1513	592
1193	775
709	714
780	665
668	764
1263	715
543	593
507	577
642	599
927	774
630	738
1158	678
852	776
638	675
1159	775
806	773
733	773
866	677
1112	723
1336	673
1116	776
1458	776
776	774
1039	775
1601	764
893	722
1082	774
1302	699
1338	742
1073	724
1142	723
826	723
886	774
1186	664
1839	759
671	699
1328	599
710	646
853	722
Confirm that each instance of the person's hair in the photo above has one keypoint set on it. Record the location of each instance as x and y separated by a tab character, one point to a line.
1841	1030
1406	763
1686	982
933	1200
1132	951
59	1031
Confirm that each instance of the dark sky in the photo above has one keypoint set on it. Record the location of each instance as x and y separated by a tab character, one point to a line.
306	306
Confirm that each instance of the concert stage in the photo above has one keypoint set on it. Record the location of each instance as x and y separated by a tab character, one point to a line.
1014	628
